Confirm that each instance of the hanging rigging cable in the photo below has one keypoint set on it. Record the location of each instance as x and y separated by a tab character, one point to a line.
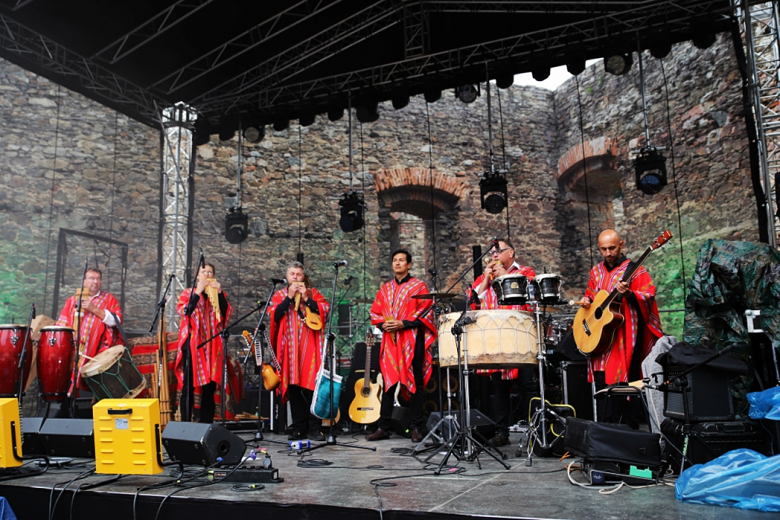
430	172
584	169
51	198
503	154
300	188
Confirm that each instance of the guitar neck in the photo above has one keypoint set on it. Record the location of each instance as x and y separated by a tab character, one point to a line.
271	350
627	276
367	373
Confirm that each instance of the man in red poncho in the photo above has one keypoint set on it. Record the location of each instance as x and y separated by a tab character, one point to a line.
642	327
405	355
298	349
199	322
503	262
100	316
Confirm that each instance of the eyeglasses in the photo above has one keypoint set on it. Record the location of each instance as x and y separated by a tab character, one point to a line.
499	251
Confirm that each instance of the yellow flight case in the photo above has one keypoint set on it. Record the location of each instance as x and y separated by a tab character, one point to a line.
10	438
127	438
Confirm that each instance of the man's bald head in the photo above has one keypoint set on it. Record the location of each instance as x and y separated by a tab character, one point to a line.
611	246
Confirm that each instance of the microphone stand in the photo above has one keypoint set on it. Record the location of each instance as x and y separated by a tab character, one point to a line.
20	367
161	312
76	368
330	339
259	329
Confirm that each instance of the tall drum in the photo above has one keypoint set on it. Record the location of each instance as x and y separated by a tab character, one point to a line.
494	339
56	349
11	340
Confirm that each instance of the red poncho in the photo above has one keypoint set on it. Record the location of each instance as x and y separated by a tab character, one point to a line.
396	356
616	361
490	301
297	346
95	335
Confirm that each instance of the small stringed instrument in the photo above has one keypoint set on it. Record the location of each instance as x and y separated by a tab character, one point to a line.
313	320
368	396
594	328
270	378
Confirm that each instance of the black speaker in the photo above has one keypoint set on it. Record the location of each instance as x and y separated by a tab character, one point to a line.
435	386
58	437
484	427
577	391
203	444
709	395
345	320
476	252
401	420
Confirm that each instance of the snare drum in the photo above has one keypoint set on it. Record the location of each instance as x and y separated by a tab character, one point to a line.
493	338
548	288
511	289
113	375
56	349
11	340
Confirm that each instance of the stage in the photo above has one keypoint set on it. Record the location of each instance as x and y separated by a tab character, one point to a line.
335	481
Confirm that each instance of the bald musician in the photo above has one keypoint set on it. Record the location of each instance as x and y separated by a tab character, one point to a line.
642	327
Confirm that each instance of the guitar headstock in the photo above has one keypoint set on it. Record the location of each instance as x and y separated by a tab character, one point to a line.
662	239
370	338
247	337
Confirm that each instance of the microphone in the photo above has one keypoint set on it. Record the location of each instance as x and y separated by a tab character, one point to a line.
277	280
202	260
342	263
172	275
33	311
349	280
495	243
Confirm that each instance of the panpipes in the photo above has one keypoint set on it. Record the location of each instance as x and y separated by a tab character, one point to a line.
213	295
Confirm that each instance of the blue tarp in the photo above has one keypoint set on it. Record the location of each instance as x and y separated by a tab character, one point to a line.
766	404
5	510
740	478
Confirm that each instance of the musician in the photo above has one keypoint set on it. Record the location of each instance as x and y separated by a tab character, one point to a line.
298	349
405	356
482	296
100	316
199	322
642	327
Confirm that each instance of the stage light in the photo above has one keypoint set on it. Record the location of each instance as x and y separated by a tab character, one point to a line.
660	48
540	72
650	168
366	112
704	39
467	93
226	135
432	94
236	226
504	81
201	136
254	134
335	113
351	208
618	64
400	100
492	192
281	125
575	66
307	119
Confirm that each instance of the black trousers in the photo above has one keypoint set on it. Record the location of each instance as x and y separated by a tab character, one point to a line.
417	417
502	390
300	407
187	401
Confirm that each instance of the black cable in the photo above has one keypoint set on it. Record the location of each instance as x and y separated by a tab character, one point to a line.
82	475
674	179
430	170
300	188
584	169
503	155
51	198
90	486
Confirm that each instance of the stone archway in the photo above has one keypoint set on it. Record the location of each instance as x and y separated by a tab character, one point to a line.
409	190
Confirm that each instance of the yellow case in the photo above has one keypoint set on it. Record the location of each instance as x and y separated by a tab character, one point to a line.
125	440
9	412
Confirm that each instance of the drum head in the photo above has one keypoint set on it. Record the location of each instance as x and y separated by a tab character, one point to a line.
13	326
103	361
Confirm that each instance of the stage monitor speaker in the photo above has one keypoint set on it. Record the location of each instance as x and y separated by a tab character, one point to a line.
401	421
31	438
484	427
345	319
577	391
617	443
203	444
709	395
68	438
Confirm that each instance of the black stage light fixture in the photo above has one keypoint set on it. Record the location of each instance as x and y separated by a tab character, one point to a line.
618	64
660	47
335	113
400	100
650	168
281	125
467	93
351	208
236	226
307	119
254	134
540	72
201	137
505	80
492	192
432	94
366	112
226	135
703	38
575	65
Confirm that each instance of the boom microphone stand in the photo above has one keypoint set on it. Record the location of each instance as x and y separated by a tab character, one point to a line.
76	368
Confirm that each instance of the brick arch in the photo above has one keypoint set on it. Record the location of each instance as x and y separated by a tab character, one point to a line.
599	162
409	190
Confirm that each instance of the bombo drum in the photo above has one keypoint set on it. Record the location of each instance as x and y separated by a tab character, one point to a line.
492	338
548	288
113	375
11	341
511	289
56	349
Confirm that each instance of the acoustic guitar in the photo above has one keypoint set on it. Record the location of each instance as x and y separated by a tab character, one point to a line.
366	405
594	328
271	379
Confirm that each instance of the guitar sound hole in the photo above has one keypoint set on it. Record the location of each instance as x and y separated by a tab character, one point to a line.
365	392
599	313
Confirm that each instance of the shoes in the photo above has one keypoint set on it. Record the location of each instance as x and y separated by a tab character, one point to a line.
297	436
498	440
317	436
417	436
378	435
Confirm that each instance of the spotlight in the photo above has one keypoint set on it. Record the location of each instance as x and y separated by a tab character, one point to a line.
400	100
236	226
254	134
540	72
660	48
650	168
492	192
226	135
703	38
307	119
576	65
618	64
351	208
432	94
201	137
335	113
504	81
281	125
366	112
467	93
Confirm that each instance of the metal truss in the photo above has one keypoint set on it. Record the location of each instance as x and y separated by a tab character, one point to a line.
177	203
416	30
761	26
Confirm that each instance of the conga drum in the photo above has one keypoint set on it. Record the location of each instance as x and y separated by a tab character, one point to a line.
113	375
56	349
11	340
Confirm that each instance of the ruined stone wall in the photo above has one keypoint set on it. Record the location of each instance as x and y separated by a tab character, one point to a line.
711	161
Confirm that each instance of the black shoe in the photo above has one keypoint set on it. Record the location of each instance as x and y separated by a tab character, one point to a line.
417	435
498	440
317	436
297	436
